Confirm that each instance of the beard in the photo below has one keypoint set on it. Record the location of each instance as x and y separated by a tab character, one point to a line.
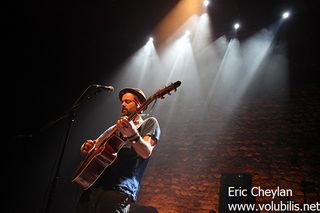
125	112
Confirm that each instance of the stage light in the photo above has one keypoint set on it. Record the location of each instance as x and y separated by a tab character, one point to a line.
236	26
206	3
285	15
187	33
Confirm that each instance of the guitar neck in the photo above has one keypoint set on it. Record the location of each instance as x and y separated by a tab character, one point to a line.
142	107
104	138
159	94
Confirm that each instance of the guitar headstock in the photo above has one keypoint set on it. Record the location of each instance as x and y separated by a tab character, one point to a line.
166	90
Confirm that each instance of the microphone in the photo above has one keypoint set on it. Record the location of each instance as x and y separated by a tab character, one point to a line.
107	88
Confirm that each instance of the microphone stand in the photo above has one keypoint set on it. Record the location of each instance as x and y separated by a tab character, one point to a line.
70	114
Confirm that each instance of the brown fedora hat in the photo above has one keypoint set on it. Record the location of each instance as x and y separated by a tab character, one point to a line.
137	92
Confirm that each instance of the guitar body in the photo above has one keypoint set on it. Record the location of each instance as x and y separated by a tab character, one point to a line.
107	147
97	161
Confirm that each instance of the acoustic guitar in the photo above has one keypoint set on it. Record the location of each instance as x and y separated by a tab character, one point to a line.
106	148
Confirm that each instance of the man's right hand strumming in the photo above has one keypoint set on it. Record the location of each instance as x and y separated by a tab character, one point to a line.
87	146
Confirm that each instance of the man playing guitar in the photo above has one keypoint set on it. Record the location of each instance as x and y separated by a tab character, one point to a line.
118	185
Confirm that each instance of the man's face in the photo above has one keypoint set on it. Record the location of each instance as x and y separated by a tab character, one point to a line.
128	106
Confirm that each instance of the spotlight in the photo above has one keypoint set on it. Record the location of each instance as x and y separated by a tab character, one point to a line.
150	41
206	3
187	33
236	26
285	15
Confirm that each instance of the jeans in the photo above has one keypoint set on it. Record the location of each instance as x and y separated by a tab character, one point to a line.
103	201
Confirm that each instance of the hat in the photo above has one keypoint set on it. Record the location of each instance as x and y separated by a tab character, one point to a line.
137	92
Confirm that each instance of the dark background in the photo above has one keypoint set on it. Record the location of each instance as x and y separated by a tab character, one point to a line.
56	49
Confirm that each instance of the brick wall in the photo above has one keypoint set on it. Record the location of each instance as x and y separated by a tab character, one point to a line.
274	139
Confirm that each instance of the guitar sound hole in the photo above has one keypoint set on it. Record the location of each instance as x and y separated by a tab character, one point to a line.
116	143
